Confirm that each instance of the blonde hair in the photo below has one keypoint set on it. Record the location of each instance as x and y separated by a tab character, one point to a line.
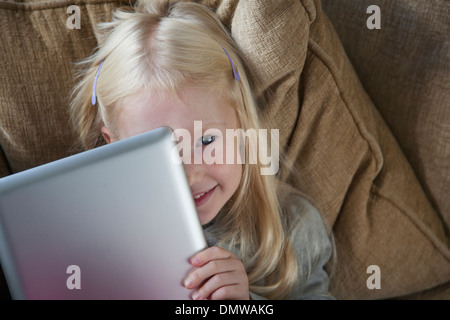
164	45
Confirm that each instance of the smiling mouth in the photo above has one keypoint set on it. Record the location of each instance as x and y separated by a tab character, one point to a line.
201	198
200	195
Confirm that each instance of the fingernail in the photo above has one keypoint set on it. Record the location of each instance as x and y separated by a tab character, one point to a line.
195	261
196	295
188	283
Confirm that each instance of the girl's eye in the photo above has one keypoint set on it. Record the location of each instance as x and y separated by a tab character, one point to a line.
207	140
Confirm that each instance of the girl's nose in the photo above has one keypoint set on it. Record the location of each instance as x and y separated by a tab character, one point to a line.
194	173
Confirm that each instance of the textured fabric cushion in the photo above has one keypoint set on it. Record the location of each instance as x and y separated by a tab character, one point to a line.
346	158
405	68
37	54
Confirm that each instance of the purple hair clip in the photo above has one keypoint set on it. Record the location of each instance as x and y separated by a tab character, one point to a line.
94	89
235	72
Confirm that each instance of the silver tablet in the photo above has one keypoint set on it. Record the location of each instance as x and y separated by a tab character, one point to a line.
115	222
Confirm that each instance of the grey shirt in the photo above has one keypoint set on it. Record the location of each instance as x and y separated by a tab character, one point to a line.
312	249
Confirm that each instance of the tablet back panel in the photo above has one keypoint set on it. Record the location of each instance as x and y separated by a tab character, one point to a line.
116	222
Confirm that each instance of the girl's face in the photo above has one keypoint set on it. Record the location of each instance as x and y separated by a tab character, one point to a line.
212	185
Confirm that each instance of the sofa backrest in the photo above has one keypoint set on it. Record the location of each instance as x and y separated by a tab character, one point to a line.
405	68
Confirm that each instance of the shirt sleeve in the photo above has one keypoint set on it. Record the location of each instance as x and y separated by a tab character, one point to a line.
313	250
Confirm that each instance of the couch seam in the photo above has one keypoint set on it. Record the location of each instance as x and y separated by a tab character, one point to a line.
431	237
315	49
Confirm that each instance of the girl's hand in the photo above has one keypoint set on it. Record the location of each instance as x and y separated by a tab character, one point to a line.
218	275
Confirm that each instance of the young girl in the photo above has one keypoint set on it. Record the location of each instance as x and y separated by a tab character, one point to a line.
172	63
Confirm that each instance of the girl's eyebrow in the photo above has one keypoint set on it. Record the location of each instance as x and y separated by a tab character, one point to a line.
213	125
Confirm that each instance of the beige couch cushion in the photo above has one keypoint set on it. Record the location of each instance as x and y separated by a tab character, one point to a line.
346	157
405	68
36	59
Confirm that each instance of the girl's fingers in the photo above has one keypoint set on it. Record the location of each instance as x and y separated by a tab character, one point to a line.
218	287
218	274
206	271
209	254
